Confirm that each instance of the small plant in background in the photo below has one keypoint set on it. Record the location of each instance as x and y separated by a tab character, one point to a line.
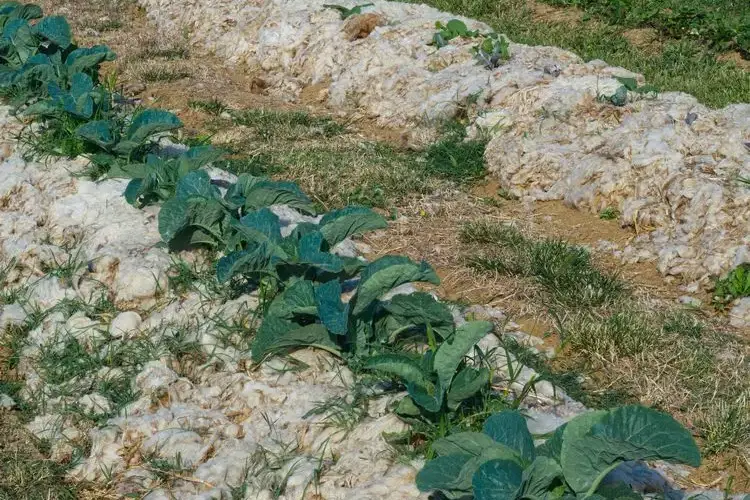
609	213
734	285
213	106
502	461
492	51
345	12
622	94
454	28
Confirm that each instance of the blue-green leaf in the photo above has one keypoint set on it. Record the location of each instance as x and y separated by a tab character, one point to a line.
497	480
450	353
100	132
150	122
264	193
196	184
597	444
55	29
88	58
552	448
174	216
401	366
276	334
341	224
333	313
309	252
541	478
255	259
386	273
132	191
466	384
509	428
444	473
474	444
419	309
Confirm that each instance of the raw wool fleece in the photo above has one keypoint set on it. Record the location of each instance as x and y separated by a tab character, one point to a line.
668	164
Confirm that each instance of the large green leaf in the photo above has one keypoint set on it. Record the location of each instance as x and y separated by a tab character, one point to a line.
255	259
418	310
101	132
597	445
173	217
341	224
541	478
55	29
310	253
332	312
552	448
264	223
276	334
431	399
88	58
466	384
445	474
463	443
450	353
497	480
264	193
474	444
401	366
150	122
296	300
196	184
509	427
386	273
196	157
458	481
20	37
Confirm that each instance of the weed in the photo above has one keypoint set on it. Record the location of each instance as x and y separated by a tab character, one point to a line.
213	106
345	12
59	363
564	271
735	285
271	125
609	213
455	158
163	74
341	412
108	25
726	425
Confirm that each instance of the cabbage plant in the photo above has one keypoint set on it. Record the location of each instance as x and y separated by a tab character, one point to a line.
441	380
309	313
501	462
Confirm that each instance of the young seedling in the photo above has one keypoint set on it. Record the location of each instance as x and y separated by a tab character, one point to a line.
447	32
628	85
492	51
346	13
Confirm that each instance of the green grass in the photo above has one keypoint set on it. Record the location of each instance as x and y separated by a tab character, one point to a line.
272	125
338	167
565	272
212	106
723	24
456	159
163	74
685	65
